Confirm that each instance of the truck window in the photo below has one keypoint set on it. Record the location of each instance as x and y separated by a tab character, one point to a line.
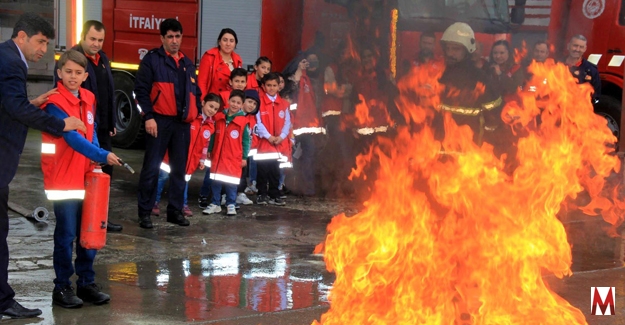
459	10
621	15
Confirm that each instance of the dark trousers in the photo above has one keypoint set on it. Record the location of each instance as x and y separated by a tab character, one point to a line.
104	138
243	182
6	292
172	137
268	178
68	218
305	164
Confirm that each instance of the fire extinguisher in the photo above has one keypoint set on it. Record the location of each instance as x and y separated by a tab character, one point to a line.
95	209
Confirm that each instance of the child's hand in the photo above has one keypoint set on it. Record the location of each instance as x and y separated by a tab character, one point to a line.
278	140
201	166
112	159
243	163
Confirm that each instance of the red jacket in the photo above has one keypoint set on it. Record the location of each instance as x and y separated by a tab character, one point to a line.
252	83
64	168
332	105
201	131
227	150
305	117
272	115
214	72
225	96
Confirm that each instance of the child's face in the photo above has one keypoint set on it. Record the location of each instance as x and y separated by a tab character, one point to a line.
262	69
234	105
281	84
210	108
238	83
249	105
271	87
72	75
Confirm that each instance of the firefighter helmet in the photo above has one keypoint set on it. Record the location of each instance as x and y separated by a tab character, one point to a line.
460	33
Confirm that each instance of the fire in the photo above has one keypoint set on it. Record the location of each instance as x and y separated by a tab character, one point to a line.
449	236
520	54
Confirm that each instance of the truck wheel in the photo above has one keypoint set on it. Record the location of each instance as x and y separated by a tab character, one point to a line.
610	109
130	126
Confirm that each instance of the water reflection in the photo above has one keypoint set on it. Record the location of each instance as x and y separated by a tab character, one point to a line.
227	284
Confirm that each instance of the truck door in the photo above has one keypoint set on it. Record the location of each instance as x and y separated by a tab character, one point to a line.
615	51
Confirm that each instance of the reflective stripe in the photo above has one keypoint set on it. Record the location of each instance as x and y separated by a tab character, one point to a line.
616	61
136	103
165	167
461	110
187	177
286	165
311	130
283	158
207	163
594	58
225	178
266	156
252	152
48	148
368	131
494	104
328	113
54	195
293	106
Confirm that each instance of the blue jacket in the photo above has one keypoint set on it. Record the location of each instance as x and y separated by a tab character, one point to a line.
91	84
157	82
17	113
588	72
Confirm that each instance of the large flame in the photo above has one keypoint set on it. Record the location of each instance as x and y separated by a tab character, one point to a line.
450	236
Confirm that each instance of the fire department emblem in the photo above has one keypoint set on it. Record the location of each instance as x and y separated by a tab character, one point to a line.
90	118
207	134
142	53
281	114
593	8
234	134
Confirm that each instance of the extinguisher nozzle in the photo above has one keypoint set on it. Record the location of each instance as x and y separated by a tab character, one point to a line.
125	165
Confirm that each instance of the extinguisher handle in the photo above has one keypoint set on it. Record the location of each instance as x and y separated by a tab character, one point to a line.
125	165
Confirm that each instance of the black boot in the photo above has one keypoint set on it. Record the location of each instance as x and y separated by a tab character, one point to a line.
145	222
66	298
91	293
178	218
113	227
18	311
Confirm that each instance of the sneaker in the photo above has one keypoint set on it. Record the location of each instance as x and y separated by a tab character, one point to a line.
223	199
284	191
251	189
212	208
92	293
66	298
243	199
232	211
203	202
276	201
261	200
177	217
187	211
156	211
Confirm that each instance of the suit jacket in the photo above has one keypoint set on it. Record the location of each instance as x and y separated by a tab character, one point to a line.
17	113
91	84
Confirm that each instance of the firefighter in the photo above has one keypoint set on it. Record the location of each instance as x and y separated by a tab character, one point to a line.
29	42
581	69
100	83
462	96
169	97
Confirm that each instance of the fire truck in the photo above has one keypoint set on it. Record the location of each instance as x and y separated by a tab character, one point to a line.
278	29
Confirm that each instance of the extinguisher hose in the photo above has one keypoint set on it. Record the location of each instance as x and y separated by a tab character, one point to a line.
125	165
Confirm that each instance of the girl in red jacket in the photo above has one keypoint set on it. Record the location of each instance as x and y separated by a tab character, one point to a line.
218	62
261	68
201	130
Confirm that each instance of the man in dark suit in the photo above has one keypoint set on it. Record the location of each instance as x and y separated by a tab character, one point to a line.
29	42
100	83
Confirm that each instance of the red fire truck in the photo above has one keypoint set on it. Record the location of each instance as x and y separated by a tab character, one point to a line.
274	28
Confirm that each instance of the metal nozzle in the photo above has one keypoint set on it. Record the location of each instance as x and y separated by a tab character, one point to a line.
40	214
125	165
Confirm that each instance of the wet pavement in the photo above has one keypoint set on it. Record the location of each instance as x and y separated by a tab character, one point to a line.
255	268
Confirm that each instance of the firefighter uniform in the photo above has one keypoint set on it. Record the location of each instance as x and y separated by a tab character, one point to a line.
166	91
585	71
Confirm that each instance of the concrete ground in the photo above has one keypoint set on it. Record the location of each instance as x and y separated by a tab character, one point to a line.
255	268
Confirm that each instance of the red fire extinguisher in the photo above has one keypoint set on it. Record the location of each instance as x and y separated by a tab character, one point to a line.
95	209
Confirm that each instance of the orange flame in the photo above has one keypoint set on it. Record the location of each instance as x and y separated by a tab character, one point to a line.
520	54
450	237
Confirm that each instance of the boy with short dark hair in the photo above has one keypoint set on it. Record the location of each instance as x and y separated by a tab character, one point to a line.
65	161
238	81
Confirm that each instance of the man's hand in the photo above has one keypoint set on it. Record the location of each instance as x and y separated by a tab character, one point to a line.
150	127
243	163
112	159
43	97
113	133
73	123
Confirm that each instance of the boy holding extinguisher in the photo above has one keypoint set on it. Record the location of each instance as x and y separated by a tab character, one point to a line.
65	161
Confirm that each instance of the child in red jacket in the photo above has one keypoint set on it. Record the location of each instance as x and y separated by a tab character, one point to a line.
238	81
201	130
261	68
64	162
